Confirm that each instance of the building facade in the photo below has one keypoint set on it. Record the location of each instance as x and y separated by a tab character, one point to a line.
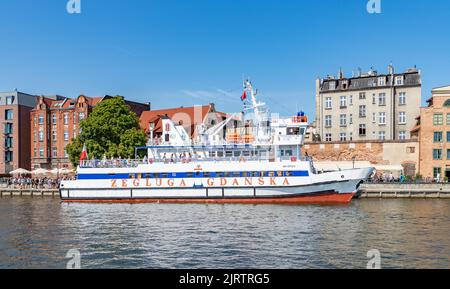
55	121
370	106
15	110
434	135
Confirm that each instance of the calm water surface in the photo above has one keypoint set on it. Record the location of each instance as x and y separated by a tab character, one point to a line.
37	233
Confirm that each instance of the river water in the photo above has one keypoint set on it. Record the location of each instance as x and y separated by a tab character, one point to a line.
38	233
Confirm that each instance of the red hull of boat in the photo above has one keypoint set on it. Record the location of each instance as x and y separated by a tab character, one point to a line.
322	199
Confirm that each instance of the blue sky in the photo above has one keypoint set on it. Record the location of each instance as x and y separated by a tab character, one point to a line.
189	52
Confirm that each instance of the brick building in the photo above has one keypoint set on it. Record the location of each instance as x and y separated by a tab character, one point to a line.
15	110
369	106
433	130
55	121
189	117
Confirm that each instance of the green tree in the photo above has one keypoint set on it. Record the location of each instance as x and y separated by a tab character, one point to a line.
111	130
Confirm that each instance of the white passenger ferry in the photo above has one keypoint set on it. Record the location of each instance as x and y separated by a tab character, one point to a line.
259	163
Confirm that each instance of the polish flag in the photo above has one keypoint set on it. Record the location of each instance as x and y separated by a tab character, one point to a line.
84	155
244	96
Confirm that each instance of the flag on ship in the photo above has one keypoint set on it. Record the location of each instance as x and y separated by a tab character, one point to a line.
244	96
84	155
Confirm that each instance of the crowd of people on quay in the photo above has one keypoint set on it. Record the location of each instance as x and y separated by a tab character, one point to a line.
22	182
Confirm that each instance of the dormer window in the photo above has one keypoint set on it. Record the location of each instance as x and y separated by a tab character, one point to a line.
381	81
399	80
332	85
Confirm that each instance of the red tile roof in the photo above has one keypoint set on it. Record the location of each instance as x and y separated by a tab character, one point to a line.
180	114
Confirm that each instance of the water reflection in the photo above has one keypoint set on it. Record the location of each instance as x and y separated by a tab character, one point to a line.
37	233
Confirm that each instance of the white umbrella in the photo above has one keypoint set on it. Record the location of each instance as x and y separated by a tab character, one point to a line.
39	172
55	171
65	171
20	172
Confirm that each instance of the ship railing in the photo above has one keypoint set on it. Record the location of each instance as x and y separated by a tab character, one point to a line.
133	163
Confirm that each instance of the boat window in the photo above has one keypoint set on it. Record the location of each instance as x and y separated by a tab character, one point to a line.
237	153
206	174
229	153
220	154
131	176
262	174
271	174
246	153
189	175
164	176
279	174
227	174
246	174
197	174
293	131
288	174
156	175
255	174
236	174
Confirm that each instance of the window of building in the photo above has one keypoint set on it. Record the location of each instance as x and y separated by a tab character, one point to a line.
66	135
382	99
448	119
350	100
382	118
438	119
41	136
8	142
350	137
41	119
448	154
447	103
437	154
343	120
328	137
381	135
66	118
436	172
8	128
350	119
362	111
55	152
374	117
402	117
328	103
41	152
9	100
381	81
343	136
54	118
374	99
402	98
9	114
399	80
66	155
332	85
448	136
34	152
81	117
362	95
328	121
54	135
362	129
343	101
8	156
437	136
402	135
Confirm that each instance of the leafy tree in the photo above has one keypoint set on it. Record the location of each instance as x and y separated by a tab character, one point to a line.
111	130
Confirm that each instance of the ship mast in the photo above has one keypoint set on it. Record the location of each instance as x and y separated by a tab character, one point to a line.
259	112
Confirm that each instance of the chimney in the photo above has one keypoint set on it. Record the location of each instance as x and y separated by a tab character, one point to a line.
390	69
149	106
341	73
